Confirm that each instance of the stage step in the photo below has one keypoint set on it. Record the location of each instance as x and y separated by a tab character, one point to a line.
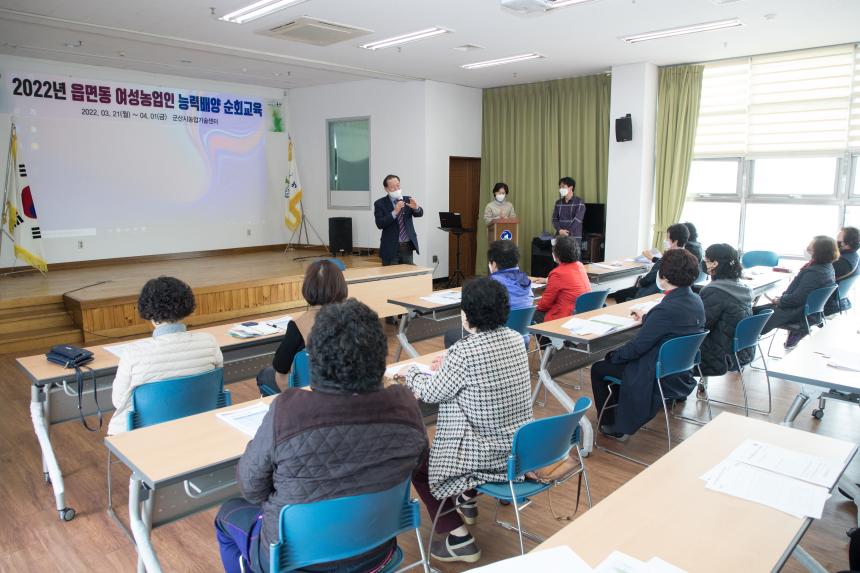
35	341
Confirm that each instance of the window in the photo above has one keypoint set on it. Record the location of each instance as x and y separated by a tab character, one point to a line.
716	222
795	176
713	177
798	223
349	162
775	158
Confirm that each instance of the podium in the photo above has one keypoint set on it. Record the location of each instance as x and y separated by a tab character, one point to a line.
503	229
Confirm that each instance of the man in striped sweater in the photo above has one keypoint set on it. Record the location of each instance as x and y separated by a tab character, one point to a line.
569	211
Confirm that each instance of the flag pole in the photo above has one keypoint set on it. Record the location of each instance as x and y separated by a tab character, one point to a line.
9	167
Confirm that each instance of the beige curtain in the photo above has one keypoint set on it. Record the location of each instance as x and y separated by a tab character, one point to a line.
677	114
533	135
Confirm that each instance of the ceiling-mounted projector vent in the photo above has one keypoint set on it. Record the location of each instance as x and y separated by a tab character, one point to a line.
526	6
317	32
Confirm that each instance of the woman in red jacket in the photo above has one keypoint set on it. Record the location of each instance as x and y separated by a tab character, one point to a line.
565	282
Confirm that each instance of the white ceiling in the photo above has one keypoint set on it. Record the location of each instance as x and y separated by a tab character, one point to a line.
157	35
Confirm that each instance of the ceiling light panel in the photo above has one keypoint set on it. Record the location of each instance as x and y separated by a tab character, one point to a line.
258	10
502	61
406	38
684	30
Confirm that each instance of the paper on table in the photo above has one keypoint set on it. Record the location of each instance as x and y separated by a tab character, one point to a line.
645	307
445	297
657	565
117	349
247	420
641	259
610	265
392	370
559	559
805	467
280	323
613	320
619	562
780	492
582	327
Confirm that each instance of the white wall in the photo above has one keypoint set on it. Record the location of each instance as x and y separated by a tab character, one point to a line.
453	129
414	128
630	194
268	228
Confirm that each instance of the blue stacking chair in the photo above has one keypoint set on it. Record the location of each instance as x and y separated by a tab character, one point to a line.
519	319
813	306
536	445
588	301
759	259
300	371
337	262
166	400
843	289
344	527
748	336
676	355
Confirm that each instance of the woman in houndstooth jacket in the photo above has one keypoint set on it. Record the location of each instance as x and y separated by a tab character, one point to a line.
483	390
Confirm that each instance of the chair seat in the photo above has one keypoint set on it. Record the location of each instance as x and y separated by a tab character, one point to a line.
613	380
502	490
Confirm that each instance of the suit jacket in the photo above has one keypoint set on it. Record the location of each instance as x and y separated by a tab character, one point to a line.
389	242
680	313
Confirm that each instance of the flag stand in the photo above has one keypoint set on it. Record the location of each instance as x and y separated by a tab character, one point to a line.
303	228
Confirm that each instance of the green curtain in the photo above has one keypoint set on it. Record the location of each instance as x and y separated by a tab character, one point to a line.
533	135
677	115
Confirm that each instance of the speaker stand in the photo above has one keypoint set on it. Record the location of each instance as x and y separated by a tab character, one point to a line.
303	228
457	278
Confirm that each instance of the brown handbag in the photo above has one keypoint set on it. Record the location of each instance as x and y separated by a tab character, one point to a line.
556	472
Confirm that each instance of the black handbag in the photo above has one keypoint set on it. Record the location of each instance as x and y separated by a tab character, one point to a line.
74	357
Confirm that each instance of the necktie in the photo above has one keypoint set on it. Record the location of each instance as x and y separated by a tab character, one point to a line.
402	225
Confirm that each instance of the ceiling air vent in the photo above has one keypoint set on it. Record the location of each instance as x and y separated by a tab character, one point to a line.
317	32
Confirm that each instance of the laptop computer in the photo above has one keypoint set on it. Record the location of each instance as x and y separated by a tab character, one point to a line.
450	220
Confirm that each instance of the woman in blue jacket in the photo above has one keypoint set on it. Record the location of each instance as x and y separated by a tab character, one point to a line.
679	313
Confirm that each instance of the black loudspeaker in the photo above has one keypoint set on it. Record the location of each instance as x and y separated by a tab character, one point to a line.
340	235
624	128
542	262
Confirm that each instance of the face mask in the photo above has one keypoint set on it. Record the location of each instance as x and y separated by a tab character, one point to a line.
666	244
661	286
500	198
465	323
396	195
563	191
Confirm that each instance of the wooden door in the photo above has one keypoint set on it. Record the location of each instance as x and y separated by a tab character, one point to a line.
464	196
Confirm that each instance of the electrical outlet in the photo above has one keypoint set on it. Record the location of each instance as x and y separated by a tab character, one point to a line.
435	258
80	244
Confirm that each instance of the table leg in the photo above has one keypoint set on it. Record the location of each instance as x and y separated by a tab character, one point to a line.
403	340
796	406
140	519
808	561
546	380
40	413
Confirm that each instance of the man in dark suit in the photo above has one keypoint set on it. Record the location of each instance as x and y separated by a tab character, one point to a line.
393	214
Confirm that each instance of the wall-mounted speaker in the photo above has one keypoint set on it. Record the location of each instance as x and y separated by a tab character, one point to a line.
624	128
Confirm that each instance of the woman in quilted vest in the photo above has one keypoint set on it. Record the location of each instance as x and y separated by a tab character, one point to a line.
727	301
170	353
483	390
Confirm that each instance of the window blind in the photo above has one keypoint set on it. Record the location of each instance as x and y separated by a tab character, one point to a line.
778	104
854	125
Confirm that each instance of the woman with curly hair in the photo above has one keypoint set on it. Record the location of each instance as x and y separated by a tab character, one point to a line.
170	353
483	390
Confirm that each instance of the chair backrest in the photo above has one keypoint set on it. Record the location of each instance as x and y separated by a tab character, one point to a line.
335	529
590	301
748	330
759	259
335	261
166	400
300	371
545	441
519	319
679	354
844	286
816	300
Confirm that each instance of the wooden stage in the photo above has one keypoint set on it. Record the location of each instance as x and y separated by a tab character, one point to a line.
99	303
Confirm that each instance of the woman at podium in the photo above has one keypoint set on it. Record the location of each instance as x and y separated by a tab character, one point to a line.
499	207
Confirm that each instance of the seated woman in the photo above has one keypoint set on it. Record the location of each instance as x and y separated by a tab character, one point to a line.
483	390
170	353
676	238
693	245
500	207
845	266
503	259
565	282
679	313
727	301
817	273
291	458
324	284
